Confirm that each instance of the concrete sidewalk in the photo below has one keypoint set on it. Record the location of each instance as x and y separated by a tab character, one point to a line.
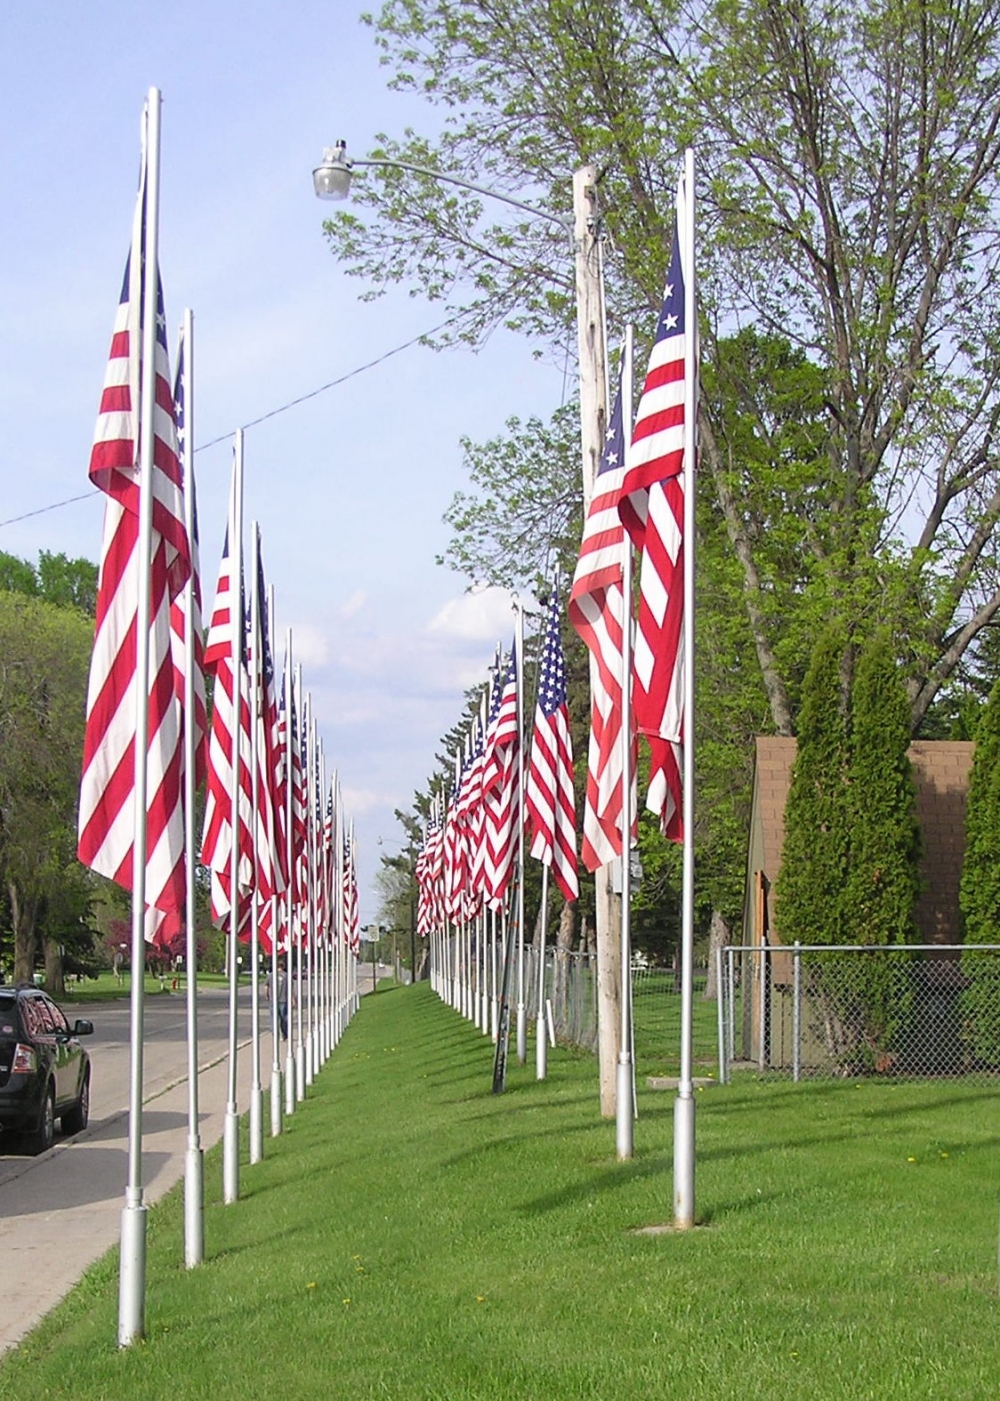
62	1211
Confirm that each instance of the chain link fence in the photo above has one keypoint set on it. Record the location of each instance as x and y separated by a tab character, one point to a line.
913	1010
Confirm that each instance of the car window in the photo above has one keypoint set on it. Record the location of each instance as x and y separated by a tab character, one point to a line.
56	1016
33	1018
8	1014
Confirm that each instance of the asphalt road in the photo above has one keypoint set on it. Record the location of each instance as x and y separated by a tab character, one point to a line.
61	1211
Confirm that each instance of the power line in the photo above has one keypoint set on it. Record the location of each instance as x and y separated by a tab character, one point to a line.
273	413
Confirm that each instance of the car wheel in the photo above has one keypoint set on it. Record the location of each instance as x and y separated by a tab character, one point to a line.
75	1120
44	1136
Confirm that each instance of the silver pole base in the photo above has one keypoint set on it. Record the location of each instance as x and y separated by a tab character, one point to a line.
623	1109
275	1101
290	1081
310	1048
194	1208
231	1155
522	1033
300	1072
541	1049
684	1162
256	1124
132	1277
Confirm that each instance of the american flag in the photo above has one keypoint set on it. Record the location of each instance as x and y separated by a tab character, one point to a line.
190	601
456	864
352	919
651	508
477	812
430	874
501	795
597	611
107	816
549	788
217	833
267	845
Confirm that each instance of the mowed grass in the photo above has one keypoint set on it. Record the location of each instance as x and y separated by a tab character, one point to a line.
413	1236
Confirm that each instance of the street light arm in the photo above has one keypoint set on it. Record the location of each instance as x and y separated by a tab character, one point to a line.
564	222
332	180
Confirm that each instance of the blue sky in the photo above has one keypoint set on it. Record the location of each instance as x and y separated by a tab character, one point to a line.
349	488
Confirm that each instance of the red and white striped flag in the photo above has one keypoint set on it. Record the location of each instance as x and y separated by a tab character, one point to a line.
651	508
217	834
549	787
180	607
597	611
107	802
501	790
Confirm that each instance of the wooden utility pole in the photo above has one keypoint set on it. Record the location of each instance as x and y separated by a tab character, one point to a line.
593	424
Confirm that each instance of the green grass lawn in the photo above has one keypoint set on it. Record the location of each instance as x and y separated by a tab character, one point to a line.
107	988
413	1236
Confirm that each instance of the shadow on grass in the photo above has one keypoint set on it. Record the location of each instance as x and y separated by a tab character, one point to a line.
607	1179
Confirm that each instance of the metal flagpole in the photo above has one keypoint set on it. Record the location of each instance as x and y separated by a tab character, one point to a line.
624	1094
311	847
194	1189
132	1270
257	836
494	978
300	1065
275	921
684	1154
231	1126
541	1044
522	1019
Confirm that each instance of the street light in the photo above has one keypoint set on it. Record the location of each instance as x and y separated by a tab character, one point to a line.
332	180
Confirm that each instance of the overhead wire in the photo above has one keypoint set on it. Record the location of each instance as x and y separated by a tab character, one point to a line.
272	413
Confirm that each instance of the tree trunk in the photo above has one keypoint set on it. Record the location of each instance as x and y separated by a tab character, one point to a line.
718	938
22	915
54	980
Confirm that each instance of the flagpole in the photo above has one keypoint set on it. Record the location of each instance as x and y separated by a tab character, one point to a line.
684	1130
541	1044
194	1190
311	875
300	1065
132	1270
290	891
522	1022
624	1094
275	904
231	1125
256	1089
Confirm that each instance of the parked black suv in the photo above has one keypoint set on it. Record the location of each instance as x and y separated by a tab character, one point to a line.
44	1071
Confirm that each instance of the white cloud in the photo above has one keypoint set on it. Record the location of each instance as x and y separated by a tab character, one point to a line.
479	616
311	646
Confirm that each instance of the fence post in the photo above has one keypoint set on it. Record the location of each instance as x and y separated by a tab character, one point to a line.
720	1008
762	1035
731	1038
796	1011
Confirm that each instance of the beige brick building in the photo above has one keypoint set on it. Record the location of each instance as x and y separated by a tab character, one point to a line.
941	774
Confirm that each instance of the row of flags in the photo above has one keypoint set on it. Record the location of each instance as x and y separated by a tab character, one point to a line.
468	853
468	858
249	720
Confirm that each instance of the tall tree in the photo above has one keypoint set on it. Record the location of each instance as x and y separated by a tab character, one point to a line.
849	204
884	880
814	858
979	893
44	659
